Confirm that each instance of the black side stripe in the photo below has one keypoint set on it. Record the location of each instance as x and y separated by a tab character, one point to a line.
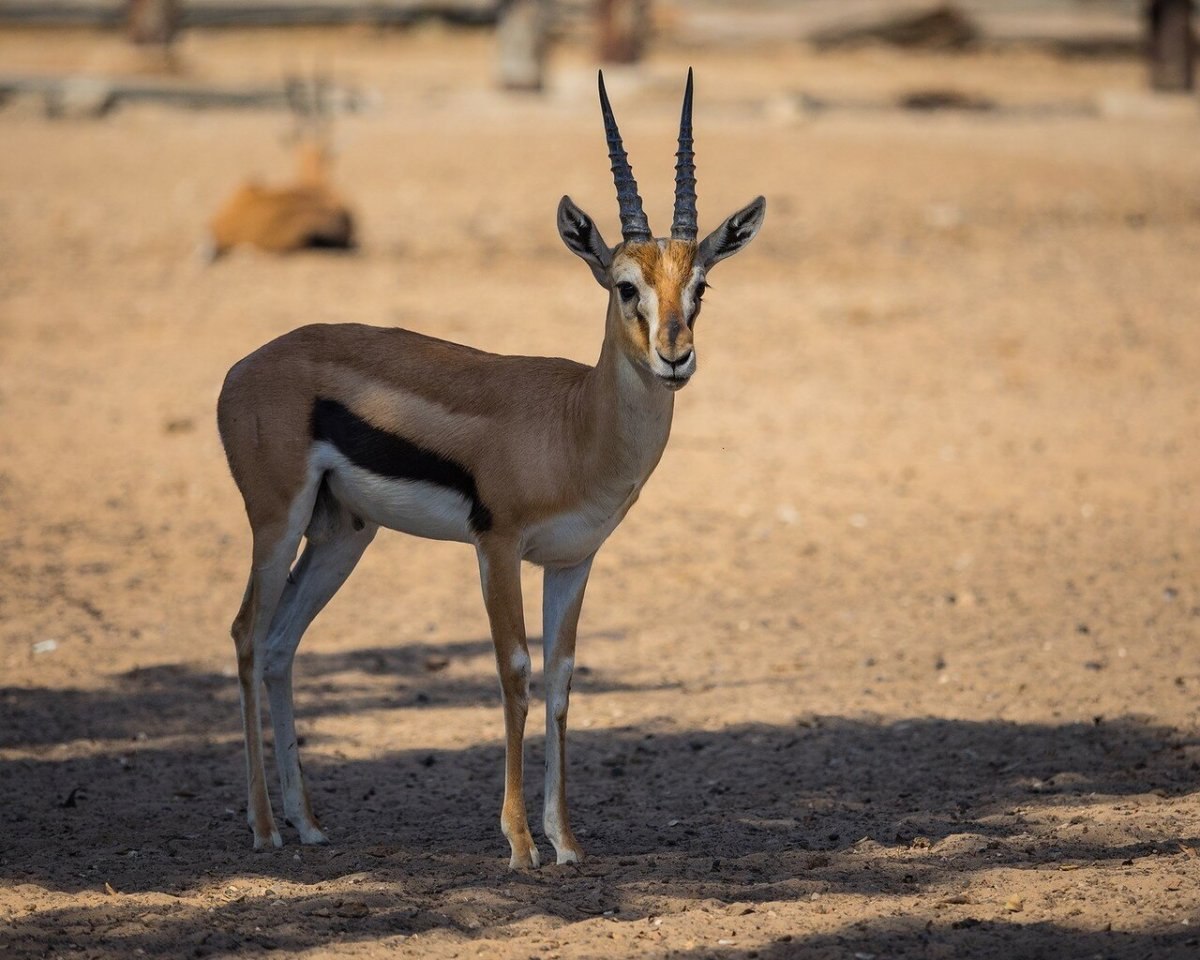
389	455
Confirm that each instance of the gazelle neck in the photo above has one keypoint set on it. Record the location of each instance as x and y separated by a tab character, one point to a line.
629	412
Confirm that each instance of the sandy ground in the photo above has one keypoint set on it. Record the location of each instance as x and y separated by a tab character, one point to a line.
896	657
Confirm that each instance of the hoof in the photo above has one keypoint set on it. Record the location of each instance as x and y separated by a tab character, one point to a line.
526	859
265	842
313	835
308	829
565	845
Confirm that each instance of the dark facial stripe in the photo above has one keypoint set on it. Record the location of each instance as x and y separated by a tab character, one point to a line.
389	455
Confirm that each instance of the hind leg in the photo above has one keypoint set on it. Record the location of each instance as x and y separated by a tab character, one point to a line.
321	570
274	548
262	595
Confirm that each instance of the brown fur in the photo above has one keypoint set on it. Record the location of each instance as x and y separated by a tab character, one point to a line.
544	439
557	453
487	412
541	436
666	265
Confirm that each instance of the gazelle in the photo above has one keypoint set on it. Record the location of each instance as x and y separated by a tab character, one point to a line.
333	431
309	211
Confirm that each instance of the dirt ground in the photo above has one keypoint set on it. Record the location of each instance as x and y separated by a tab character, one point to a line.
896	656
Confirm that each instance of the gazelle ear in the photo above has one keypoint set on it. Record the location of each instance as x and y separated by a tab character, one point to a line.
583	239
734	233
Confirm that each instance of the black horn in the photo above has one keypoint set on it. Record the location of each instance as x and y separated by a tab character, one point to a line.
683	226
634	225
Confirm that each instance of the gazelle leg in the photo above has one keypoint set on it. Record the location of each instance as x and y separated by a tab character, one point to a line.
500	575
317	576
562	598
258	803
274	549
266	585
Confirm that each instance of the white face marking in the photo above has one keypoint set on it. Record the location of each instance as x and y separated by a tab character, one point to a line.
410	506
647	299
688	298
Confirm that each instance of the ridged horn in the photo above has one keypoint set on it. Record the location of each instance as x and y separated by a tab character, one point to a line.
683	225
634	225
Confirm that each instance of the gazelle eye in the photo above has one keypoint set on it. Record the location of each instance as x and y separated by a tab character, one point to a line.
627	291
701	287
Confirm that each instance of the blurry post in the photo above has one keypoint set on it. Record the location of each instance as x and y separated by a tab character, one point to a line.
153	22
521	44
1170	46
623	27
152	26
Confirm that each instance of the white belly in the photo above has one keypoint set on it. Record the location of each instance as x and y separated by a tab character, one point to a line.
410	506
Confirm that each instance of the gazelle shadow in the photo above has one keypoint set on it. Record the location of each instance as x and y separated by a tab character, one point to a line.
752	813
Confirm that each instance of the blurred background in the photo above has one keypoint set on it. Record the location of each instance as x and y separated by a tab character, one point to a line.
293	99
906	618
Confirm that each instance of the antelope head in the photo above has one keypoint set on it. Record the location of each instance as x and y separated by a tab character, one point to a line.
656	284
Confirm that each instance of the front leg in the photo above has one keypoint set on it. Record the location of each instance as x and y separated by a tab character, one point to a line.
562	598
500	575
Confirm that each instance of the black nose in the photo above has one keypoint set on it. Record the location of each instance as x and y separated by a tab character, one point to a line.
683	358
